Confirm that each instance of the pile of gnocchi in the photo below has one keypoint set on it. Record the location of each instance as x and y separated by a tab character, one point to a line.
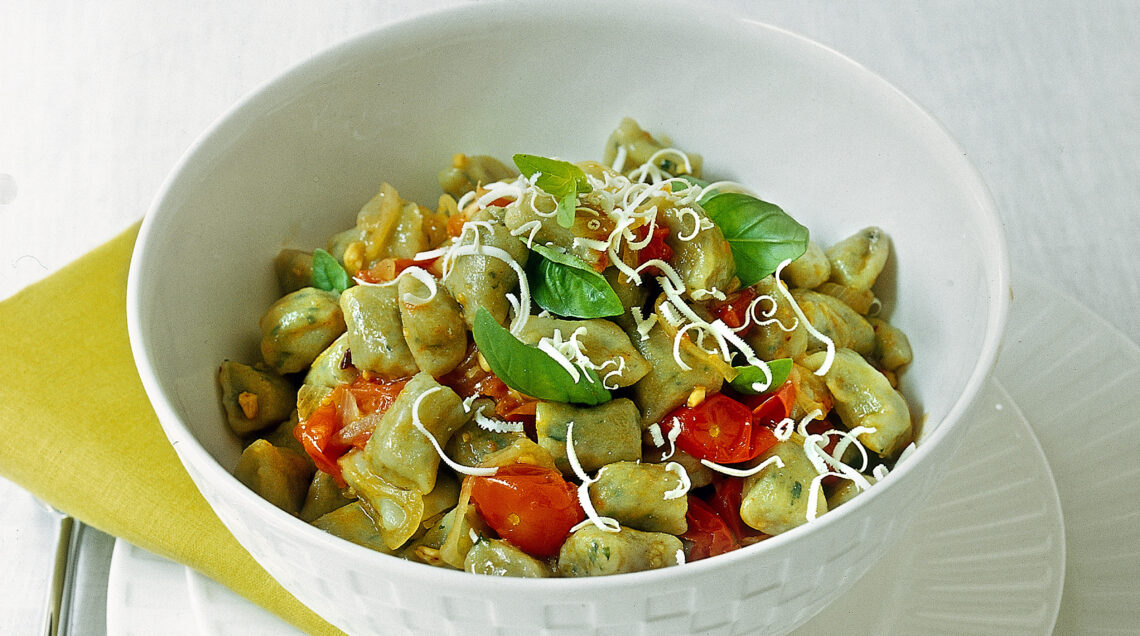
571	369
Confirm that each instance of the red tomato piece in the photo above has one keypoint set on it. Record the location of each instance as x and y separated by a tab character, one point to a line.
656	249
733	310
464	379
469	379
786	395
317	434
708	532
723	430
375	394
718	429
324	435
725	500
531	507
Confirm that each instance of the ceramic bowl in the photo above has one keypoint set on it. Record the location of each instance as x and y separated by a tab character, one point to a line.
833	144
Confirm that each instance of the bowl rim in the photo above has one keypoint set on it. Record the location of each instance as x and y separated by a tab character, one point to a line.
191	452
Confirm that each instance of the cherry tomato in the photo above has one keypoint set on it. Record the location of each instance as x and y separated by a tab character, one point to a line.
765	417
785	396
375	394
371	396
324	435
725	500
317	435
720	429
531	507
656	249
708	532
733	310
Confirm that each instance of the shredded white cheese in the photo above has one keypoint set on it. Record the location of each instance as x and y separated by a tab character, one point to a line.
496	425
644	325
468	401
683	213
428	281
523	312
419	426
683	476
830	356
547	347
531	227
605	524
746	472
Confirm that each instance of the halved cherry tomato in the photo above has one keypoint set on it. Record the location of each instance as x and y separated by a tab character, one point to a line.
317	435
764	420
656	249
374	394
733	310
725	500
531	507
707	531
321	433
720	429
785	396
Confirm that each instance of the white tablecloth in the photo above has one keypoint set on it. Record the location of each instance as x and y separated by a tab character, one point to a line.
99	100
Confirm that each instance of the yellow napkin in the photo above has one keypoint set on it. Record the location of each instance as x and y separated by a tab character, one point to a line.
77	430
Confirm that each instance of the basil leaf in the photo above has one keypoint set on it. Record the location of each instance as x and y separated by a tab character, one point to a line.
565	285
748	375
561	179
567	206
328	273
531	370
760	234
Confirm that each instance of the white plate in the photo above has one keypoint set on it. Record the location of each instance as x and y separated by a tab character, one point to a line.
1075	378
987	555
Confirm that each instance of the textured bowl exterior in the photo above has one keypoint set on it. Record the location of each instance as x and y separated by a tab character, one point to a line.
769	591
832	143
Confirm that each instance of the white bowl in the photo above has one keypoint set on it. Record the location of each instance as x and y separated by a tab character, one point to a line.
833	144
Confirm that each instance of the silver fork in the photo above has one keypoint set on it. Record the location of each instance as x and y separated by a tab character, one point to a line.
59	588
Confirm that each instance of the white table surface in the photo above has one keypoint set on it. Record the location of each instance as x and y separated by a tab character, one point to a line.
99	100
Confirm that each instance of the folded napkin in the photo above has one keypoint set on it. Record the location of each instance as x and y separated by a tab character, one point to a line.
77	430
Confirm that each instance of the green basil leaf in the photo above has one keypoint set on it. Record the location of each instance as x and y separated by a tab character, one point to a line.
560	179
749	375
531	370
567	206
565	285
328	273
760	234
